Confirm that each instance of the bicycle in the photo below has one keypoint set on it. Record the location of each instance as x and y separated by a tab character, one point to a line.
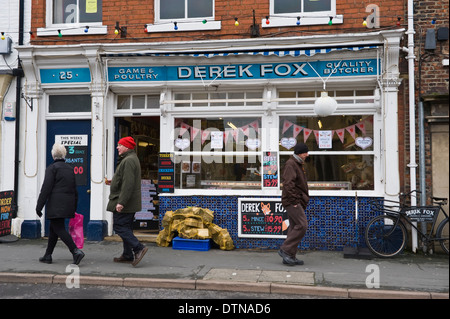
386	235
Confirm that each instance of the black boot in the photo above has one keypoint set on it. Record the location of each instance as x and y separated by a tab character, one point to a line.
46	259
77	256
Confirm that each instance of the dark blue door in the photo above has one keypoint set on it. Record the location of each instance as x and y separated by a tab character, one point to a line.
75	135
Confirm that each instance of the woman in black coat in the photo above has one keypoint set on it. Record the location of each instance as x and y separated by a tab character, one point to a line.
59	195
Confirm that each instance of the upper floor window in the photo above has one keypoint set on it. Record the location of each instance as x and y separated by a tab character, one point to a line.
184	15
73	17
301	6
185	9
76	11
285	13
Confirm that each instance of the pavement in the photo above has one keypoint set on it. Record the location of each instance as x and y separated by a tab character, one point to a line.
324	273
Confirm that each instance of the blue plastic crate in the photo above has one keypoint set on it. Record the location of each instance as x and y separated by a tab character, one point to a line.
191	244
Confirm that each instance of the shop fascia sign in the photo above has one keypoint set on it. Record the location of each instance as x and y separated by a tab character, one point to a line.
292	70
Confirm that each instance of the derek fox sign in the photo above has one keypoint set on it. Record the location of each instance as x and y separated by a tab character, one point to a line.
360	67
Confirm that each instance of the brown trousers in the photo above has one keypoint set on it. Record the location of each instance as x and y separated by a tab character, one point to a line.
296	231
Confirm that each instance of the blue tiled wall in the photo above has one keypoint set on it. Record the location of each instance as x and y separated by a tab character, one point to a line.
331	220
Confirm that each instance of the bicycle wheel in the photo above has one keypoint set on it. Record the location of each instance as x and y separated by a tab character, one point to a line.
386	236
442	233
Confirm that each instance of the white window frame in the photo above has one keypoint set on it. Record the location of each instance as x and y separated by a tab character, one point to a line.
306	18
53	29
183	24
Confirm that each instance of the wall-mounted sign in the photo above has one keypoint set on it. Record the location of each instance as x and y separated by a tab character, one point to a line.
262	218
73	75
296	70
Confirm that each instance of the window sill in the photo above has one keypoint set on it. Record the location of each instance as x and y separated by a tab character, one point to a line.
184	26
276	22
71	30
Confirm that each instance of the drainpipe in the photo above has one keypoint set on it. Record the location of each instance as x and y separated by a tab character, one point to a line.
412	119
19	75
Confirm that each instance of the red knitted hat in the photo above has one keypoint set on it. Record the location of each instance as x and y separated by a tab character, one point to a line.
128	142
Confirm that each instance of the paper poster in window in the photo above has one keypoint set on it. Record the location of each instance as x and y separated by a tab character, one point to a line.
216	139
91	6
325	139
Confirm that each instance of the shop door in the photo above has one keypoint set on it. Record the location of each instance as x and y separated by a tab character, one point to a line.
76	136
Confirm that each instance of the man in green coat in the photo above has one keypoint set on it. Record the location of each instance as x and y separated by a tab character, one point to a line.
125	201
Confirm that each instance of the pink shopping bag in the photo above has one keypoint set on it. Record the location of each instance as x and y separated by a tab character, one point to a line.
76	230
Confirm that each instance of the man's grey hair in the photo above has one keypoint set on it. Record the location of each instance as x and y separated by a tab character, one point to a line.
58	151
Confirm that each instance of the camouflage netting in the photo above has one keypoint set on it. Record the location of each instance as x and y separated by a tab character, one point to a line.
193	223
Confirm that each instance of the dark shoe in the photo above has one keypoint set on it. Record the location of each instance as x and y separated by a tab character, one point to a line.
77	256
46	259
287	260
123	259
138	256
296	261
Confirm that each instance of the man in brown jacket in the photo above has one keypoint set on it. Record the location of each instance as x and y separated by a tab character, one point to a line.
125	200
295	197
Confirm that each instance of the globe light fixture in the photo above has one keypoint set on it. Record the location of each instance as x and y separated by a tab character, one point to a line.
325	105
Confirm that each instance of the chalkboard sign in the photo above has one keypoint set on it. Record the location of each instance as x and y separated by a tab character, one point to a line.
262	218
270	169
166	173
422	214
6	200
77	148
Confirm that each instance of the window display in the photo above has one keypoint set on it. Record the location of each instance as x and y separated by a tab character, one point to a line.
218	153
343	156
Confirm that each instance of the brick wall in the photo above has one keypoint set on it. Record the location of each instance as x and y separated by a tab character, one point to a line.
135	14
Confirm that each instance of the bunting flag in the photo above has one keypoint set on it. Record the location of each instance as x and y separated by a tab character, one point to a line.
362	127
235	135
286	125
255	126
316	134
194	132
225	135
351	130
205	135
340	133
297	130
306	133
183	128
245	130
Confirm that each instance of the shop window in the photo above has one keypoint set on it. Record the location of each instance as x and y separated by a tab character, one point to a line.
137	102
218	153
69	103
221	99
341	149
76	11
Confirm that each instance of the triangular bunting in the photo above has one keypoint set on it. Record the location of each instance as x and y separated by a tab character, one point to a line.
316	134
205	135
351	130
362	127
306	133
297	130
286	126
194	132
254	124
183	128
340	133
